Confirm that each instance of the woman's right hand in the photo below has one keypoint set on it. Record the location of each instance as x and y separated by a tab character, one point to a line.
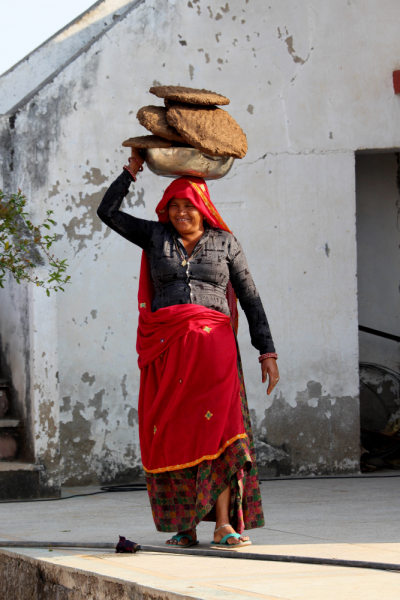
133	165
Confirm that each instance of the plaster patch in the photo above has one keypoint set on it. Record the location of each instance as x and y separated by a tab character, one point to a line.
123	387
97	403
94	176
130	452
133	417
66	405
289	44
76	455
55	190
46	419
86	378
89	219
140	198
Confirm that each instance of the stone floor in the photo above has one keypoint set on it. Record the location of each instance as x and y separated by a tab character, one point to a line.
334	518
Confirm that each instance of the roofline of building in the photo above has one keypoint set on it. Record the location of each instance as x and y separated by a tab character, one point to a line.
70	24
82	50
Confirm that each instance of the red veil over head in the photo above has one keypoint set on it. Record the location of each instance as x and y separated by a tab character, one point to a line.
196	190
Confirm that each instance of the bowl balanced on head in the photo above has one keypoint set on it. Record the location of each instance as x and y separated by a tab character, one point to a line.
195	431
192	120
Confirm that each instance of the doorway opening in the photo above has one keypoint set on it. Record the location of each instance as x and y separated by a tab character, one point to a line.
378	267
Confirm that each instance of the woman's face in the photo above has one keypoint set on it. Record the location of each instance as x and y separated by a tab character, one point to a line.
184	216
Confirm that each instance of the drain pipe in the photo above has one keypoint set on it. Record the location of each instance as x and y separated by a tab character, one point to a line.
308	560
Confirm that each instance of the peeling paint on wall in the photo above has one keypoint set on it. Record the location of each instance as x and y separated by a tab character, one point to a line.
89	221
296	183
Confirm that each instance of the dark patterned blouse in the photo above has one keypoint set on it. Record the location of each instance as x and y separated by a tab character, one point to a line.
216	259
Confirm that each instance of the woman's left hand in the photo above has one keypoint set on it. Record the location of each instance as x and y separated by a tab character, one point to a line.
270	368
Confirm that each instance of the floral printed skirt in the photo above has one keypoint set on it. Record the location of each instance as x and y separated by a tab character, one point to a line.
181	499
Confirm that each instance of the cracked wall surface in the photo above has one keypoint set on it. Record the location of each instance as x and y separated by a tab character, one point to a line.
307	101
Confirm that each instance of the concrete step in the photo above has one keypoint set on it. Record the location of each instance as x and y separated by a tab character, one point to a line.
9	423
15	465
19	481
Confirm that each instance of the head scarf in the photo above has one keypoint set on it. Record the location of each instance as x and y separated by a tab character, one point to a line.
196	190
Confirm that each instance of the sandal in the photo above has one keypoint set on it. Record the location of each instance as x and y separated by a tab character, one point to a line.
224	542
178	538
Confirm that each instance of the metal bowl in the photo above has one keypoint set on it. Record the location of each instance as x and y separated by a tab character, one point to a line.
176	162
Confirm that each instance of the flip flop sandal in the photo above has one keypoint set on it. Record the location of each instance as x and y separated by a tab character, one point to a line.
191	542
224	541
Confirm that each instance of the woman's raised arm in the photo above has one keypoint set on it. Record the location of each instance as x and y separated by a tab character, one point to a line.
137	231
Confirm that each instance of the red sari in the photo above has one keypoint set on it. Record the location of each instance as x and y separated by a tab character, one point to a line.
191	407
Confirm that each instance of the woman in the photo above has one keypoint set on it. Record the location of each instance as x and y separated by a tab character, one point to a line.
195	432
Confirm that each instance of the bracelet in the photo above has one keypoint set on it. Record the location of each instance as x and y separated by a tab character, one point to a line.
267	355
130	173
136	161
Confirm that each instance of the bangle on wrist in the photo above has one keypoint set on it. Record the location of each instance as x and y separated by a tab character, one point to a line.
136	161
131	173
267	355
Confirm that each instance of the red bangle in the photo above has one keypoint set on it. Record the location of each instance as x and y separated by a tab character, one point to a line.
267	355
130	172
136	161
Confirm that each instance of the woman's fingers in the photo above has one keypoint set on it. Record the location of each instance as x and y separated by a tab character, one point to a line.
269	368
264	371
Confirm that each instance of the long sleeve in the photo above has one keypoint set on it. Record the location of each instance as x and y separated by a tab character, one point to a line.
137	231
250	300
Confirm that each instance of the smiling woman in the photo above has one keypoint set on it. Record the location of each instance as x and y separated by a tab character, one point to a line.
188	221
195	432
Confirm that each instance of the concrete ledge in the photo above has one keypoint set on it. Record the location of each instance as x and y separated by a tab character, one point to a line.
26	578
22	481
6	466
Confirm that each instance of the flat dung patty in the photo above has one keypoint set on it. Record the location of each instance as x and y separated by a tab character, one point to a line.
178	93
209	129
154	118
147	141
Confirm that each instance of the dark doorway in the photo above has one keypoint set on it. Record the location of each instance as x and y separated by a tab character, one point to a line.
378	257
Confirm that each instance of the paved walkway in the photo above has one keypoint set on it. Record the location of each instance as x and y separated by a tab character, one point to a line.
335	518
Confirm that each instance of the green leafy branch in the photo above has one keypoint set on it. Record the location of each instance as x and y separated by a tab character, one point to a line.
21	243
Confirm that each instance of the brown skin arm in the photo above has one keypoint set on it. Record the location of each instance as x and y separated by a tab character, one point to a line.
133	164
269	367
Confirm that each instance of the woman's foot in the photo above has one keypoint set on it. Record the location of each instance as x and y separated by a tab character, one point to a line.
223	530
185	540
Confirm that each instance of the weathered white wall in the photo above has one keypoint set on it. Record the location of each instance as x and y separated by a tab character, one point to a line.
308	91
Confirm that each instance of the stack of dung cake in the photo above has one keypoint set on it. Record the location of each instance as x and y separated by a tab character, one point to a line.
191	119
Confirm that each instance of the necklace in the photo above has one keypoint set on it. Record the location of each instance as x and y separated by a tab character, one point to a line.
184	261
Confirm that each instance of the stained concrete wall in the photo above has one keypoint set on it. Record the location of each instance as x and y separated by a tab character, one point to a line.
307	99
